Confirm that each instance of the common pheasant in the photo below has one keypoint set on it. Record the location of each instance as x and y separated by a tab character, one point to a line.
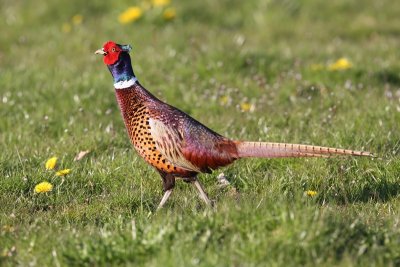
177	145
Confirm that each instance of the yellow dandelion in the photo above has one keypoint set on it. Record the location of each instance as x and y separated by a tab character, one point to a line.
130	15
77	19
51	163
311	193
160	3
43	187
169	13
63	172
224	100
66	28
340	64
245	107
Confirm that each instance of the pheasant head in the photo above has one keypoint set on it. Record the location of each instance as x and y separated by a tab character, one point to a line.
118	61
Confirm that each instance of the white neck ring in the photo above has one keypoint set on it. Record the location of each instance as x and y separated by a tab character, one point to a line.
125	84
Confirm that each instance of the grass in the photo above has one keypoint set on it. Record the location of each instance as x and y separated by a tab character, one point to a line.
57	99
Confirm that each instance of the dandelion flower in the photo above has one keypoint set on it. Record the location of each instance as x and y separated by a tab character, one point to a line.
43	187
77	19
160	3
51	163
311	193
66	28
340	64
63	172
224	100
130	15
245	107
169	13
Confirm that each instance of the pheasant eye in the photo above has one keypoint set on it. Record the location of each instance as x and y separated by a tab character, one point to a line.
113	49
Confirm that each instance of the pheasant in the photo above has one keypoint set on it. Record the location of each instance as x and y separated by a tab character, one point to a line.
177	145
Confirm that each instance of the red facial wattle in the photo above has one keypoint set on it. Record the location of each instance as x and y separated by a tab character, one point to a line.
113	51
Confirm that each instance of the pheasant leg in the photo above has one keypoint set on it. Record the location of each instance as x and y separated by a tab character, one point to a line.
168	186
203	195
164	198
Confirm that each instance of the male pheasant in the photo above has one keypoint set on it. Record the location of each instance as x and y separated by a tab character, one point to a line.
177	145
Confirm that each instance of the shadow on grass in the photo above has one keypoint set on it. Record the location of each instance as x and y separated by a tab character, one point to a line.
388	76
381	191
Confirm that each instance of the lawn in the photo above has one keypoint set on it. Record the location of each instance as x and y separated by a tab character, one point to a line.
313	72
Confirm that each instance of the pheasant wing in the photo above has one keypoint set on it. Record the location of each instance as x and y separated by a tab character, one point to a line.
169	141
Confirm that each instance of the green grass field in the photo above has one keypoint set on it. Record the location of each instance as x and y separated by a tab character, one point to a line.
251	70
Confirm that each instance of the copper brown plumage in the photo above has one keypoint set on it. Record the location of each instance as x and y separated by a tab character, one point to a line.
163	135
178	145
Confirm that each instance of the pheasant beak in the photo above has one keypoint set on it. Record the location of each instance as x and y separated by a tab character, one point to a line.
101	52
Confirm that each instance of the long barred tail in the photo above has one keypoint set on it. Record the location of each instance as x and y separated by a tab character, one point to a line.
283	150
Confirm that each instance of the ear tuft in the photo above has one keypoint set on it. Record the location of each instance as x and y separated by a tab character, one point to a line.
126	48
